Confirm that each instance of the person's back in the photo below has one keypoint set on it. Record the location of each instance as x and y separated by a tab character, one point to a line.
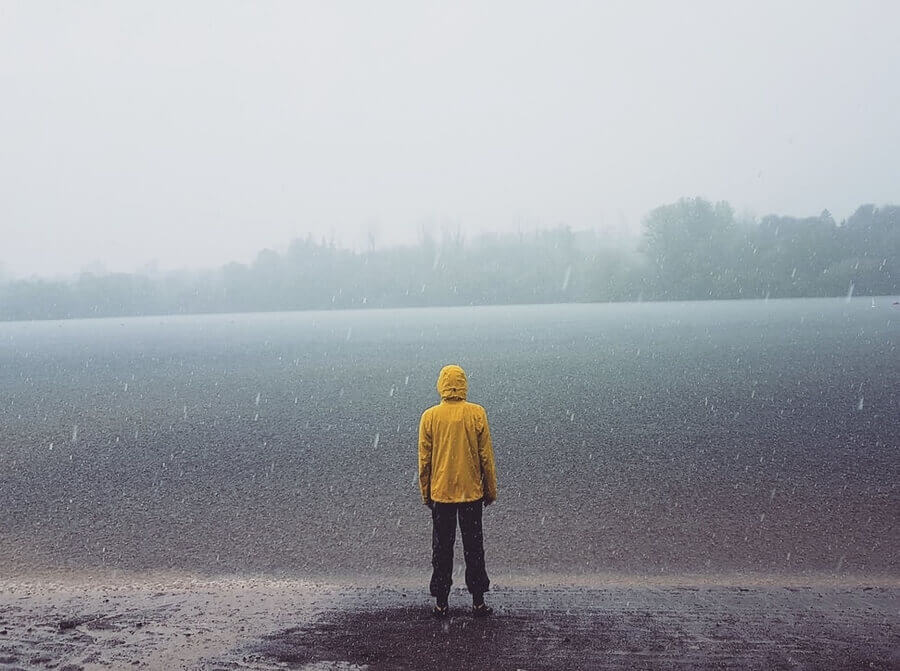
456	477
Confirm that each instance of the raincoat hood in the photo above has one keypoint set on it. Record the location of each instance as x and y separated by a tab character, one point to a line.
452	383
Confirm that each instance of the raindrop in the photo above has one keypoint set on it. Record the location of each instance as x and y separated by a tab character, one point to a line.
850	292
859	406
375	442
566	277
256	402
75	433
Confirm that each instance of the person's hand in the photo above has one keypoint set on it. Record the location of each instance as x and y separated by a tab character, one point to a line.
488	501
430	504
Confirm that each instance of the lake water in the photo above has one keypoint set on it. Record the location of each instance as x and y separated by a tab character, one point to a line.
649	438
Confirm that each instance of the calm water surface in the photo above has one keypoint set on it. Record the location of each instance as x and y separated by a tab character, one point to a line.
641	438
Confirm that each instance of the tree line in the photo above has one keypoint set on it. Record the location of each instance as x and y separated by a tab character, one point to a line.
689	250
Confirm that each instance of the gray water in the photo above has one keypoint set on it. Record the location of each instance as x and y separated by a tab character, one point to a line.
642	438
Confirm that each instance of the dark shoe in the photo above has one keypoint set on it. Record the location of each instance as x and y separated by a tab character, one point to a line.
440	611
482	610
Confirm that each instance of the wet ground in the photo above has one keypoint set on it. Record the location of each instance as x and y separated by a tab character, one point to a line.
260	624
562	628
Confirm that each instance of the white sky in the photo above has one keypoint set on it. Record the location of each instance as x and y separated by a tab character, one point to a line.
195	133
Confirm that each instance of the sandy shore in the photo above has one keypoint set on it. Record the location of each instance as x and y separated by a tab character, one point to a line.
184	622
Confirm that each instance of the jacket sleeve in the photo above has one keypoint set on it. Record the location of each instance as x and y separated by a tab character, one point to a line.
486	456
425	448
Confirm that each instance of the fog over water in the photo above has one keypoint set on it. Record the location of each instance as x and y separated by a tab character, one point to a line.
193	134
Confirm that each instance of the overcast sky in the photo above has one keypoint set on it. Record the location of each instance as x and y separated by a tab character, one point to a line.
194	133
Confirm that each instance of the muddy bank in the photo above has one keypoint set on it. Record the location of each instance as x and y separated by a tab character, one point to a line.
182	623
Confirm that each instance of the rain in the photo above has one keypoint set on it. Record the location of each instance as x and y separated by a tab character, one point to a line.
241	242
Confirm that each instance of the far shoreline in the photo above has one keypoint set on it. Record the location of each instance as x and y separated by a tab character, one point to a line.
893	298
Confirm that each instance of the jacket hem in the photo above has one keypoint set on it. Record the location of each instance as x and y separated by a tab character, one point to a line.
478	498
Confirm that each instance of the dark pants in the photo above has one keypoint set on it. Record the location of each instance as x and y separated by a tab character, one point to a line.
443	536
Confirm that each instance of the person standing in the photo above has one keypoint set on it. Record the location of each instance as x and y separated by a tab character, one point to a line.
457	477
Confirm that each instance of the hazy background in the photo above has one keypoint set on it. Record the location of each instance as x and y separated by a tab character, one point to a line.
192	134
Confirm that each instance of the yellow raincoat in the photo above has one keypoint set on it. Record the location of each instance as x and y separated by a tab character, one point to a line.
456	459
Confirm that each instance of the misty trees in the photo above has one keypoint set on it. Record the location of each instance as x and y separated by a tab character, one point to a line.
697	249
691	249
870	250
796	254
691	245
